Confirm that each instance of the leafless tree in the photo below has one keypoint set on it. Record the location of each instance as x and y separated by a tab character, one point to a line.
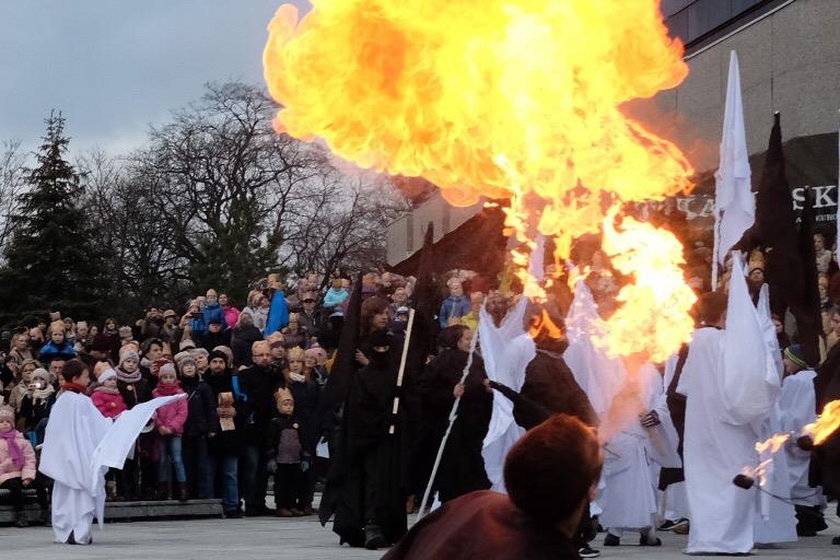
12	184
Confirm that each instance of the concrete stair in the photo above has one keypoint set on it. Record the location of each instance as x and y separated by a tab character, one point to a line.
123	511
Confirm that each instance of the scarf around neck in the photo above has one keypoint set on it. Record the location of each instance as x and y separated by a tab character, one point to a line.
129	378
40	395
74	388
167	390
15	451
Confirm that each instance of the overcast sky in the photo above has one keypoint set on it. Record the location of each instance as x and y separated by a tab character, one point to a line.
115	66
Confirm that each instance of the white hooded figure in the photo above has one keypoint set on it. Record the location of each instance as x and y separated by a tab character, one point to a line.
507	350
730	390
80	445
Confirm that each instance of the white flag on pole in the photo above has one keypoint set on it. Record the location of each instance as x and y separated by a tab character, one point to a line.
837	190
734	200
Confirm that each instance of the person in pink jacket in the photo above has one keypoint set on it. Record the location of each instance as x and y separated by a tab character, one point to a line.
17	465
170	425
106	396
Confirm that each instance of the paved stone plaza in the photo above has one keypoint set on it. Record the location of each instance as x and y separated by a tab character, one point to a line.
281	539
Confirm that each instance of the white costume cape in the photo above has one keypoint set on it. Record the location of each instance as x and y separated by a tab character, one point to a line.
629	498
507	350
80	445
730	388
798	403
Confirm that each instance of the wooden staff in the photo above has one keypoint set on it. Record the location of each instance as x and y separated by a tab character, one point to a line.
396	407
453	414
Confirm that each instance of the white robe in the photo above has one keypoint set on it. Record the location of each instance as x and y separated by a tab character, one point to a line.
798	403
776	522
507	350
714	451
80	445
632	458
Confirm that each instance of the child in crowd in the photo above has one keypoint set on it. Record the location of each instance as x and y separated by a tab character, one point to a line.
284	449
316	363
27	368
293	335
36	405
17	465
58	345
200	425
305	392
106	396
170	425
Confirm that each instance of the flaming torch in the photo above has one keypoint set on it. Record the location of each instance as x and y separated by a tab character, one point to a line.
505	99
811	435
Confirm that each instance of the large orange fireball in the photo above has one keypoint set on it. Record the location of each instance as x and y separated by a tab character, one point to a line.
516	99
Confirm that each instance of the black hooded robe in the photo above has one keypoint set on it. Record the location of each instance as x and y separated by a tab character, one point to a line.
364	485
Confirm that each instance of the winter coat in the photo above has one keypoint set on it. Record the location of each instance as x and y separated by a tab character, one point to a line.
210	340
134	393
174	414
229	442
8	469
32	411
306	397
334	300
231	315
240	343
51	350
201	403
284	442
260	316
109	401
259	384
213	312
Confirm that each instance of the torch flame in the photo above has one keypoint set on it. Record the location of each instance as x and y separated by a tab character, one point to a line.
503	99
827	423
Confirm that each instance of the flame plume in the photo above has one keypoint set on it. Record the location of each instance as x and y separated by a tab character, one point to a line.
504	99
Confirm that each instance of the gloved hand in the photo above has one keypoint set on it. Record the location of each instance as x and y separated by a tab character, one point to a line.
271	466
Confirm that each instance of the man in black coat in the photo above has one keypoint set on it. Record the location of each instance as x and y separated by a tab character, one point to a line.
259	382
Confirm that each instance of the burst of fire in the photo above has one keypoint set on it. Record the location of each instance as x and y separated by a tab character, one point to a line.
514	99
827	423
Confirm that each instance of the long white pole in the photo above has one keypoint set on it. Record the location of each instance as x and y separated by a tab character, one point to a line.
396	406
453	414
715	250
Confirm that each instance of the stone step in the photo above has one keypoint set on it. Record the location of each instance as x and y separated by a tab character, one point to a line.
135	511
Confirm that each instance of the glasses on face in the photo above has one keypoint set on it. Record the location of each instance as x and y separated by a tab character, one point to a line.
309	301
262	355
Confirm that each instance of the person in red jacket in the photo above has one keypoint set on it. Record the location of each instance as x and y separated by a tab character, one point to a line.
170	425
107	397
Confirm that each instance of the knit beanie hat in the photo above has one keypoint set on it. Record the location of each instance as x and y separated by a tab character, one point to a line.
183	358
187	344
228	352
100	343
42	374
7	413
216	353
794	354
128	354
106	375
167	368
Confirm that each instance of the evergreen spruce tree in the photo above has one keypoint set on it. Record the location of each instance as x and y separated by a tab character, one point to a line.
52	262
